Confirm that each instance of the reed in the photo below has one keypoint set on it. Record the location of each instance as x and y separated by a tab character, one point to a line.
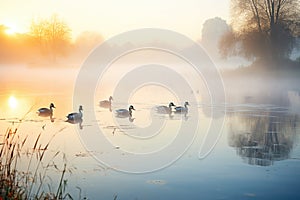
31	183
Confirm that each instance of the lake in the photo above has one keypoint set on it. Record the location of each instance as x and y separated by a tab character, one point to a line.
254	154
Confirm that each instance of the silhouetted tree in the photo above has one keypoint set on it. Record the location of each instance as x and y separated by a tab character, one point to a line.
52	36
262	29
212	32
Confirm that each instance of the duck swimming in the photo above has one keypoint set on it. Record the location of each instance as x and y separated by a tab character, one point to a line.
75	116
181	109
106	103
165	109
46	112
124	112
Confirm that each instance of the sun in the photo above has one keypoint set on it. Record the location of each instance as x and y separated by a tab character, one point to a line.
12	102
11	29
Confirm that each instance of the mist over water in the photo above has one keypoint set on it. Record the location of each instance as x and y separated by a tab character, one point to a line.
191	107
259	142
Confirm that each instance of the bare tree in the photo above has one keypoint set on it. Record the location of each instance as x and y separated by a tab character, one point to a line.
37	31
52	36
262	29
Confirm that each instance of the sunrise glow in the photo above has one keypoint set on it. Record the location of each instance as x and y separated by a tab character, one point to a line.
104	16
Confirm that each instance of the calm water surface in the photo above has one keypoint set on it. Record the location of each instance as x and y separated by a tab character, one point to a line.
256	157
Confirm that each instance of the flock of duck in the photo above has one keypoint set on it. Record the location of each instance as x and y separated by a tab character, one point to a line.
159	109
76	117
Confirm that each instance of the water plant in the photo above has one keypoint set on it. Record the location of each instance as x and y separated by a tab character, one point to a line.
30	182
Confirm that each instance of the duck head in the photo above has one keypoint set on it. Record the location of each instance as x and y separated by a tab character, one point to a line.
131	108
171	104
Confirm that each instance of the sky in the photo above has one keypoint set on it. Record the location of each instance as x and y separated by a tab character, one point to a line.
112	17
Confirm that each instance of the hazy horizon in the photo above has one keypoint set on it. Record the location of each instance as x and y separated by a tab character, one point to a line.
100	16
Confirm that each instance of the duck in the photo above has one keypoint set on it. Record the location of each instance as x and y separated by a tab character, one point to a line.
46	112
106	103
165	109
181	109
124	112
75	116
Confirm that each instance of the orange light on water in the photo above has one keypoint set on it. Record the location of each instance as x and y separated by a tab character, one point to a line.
12	102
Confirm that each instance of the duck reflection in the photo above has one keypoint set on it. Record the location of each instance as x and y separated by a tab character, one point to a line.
106	103
175	116
171	116
76	121
130	118
268	137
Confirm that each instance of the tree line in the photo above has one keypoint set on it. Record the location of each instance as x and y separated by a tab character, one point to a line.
260	30
48	41
52	36
263	30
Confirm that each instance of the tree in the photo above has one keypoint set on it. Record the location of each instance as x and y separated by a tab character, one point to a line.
262	29
212	32
51	35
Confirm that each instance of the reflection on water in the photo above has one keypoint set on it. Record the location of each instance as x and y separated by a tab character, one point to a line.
76	121
107	103
262	129
262	134
47	115
50	117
